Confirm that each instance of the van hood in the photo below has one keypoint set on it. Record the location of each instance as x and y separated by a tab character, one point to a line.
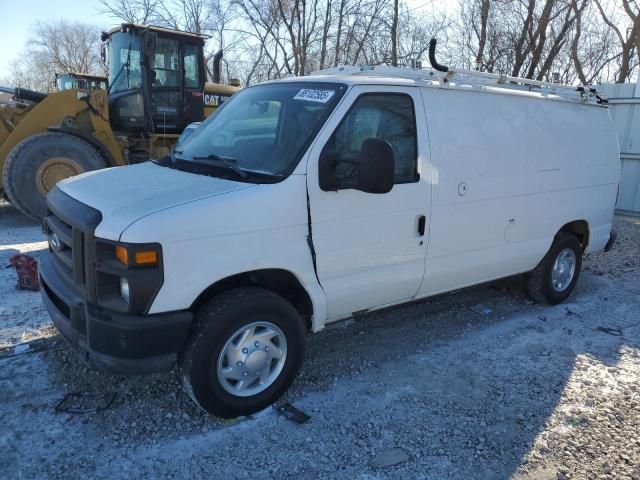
126	194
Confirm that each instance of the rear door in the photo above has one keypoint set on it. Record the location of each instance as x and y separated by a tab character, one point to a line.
370	248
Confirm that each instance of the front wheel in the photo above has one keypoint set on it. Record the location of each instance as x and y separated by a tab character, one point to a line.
245	350
37	163
555	277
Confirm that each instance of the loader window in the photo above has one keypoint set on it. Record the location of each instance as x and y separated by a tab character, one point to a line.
125	71
191	77
165	71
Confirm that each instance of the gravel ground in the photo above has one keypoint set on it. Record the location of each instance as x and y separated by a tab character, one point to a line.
427	391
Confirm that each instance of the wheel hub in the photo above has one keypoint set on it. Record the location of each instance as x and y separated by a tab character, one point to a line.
563	270
252	359
54	169
256	361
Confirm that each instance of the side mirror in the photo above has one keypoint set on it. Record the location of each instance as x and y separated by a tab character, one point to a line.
103	53
377	166
327	172
149	42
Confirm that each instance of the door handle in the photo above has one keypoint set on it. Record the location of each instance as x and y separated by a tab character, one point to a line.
422	222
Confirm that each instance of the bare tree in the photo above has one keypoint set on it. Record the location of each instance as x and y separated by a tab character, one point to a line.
325	33
57	47
68	46
627	41
580	40
341	13
394	33
132	11
482	33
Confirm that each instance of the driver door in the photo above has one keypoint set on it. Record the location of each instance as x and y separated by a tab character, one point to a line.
371	248
176	79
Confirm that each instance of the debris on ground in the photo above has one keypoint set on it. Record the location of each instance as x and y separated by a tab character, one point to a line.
611	331
27	269
81	403
481	309
292	413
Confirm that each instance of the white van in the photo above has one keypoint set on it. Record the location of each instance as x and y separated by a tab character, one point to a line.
305	200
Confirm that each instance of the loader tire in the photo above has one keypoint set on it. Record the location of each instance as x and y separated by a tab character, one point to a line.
37	163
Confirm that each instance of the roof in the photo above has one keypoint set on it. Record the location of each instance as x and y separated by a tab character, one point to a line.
152	28
466	80
83	75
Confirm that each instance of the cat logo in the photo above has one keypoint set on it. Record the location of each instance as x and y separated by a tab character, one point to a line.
214	100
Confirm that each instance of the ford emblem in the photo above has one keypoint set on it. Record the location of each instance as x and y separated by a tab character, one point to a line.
55	242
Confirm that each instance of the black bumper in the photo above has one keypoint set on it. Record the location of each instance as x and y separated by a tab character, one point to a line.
112	341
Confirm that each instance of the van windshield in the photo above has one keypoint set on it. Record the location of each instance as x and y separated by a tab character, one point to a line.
261	130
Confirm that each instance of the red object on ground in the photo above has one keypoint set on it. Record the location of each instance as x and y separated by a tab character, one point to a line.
27	269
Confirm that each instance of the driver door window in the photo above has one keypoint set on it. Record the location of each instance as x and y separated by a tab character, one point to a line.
389	117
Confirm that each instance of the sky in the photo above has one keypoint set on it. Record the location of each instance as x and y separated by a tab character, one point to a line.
17	17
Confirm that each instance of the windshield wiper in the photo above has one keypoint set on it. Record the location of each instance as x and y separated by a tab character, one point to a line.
226	162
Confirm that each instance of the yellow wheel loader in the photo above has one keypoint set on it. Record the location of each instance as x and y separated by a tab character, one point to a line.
156	88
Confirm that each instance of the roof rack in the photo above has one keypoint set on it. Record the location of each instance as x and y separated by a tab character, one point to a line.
458	77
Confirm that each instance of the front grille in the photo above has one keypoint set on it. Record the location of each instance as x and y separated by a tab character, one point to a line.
70	226
66	252
57	301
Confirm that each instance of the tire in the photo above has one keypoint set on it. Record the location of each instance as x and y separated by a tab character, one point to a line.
540	281
216	324
35	164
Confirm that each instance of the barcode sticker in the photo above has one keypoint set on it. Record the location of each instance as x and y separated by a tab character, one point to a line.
312	95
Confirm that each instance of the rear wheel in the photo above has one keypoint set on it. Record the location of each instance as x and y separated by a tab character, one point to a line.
245	351
553	280
36	164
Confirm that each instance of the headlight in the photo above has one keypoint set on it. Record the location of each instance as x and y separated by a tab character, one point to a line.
124	289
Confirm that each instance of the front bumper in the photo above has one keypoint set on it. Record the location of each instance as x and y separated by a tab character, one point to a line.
107	340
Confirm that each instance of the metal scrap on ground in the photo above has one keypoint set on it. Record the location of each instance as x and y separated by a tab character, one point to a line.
81	403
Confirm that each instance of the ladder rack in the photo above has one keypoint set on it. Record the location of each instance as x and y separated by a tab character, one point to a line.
459	77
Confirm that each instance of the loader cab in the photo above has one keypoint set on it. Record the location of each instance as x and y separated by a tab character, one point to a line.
156	78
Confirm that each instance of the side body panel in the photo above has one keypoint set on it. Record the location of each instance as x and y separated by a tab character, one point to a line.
508	172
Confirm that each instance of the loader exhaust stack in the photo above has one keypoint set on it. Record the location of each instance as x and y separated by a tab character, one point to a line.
217	61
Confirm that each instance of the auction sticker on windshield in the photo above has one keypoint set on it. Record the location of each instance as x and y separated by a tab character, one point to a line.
313	95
